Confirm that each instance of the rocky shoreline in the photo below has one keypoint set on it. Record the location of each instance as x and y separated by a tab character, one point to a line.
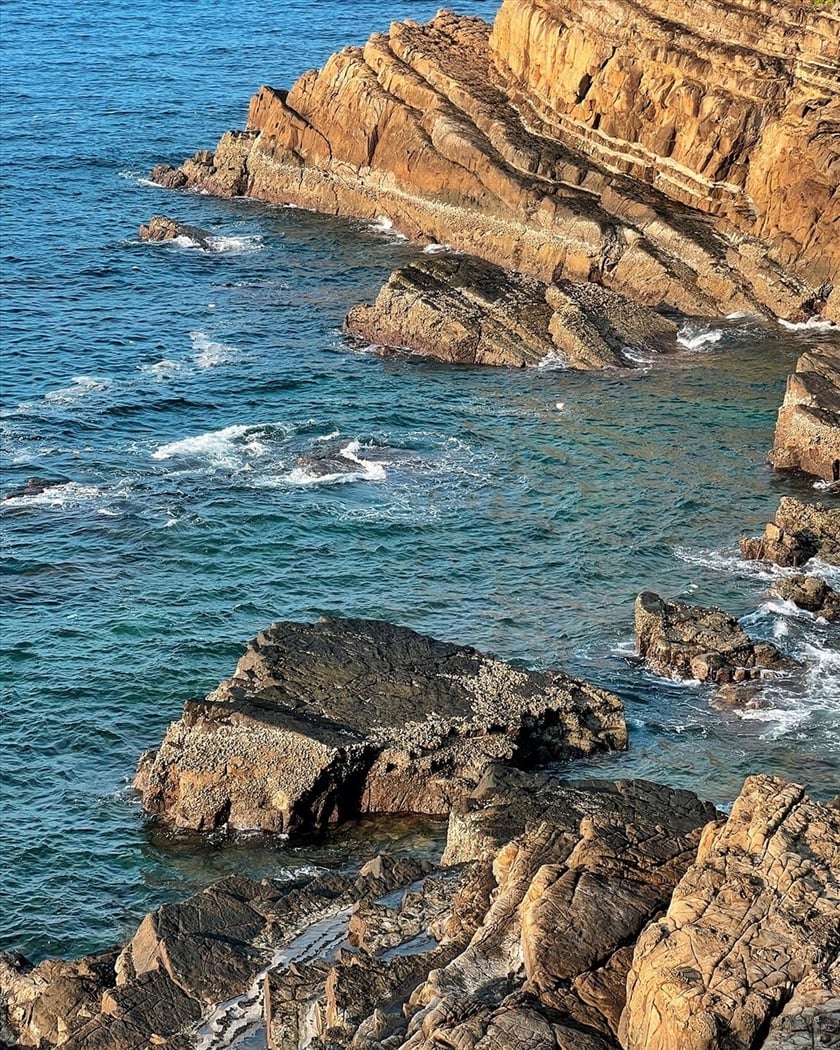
580	916
576	159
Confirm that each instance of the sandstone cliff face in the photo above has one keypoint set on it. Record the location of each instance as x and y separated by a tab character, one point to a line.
685	155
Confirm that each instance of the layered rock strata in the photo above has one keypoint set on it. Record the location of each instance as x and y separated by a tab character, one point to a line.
679	640
590	916
466	311
681	155
321	722
807	434
800	531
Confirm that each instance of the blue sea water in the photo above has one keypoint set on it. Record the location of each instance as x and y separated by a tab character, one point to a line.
171	393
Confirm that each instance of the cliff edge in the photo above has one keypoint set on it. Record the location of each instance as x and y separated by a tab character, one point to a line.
686	156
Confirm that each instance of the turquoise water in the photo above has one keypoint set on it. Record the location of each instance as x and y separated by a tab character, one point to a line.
171	393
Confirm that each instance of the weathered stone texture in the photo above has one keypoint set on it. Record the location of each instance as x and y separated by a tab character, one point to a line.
321	722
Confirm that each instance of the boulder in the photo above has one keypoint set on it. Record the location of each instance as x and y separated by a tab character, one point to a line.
162	228
807	434
322	722
461	309
809	593
746	954
679	640
577	140
799	532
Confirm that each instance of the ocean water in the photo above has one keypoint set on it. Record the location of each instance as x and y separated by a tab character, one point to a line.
175	399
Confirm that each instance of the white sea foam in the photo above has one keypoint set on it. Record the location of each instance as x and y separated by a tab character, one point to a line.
82	386
813	324
437	249
553	362
383	225
69	494
697	337
162	368
637	356
333	434
208	353
239	244
359	470
217	447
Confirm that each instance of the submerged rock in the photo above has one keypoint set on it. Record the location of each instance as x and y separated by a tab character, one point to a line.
799	532
322	722
746	954
807	434
463	310
33	487
162	228
577	140
809	593
687	641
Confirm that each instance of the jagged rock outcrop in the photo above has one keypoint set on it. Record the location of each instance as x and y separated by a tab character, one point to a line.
681	155
566	916
747	953
799	532
808	429
162	228
321	722
809	593
679	640
464	310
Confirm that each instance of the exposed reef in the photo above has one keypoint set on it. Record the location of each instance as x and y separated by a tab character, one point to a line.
162	228
679	640
590	916
684	156
322	722
463	310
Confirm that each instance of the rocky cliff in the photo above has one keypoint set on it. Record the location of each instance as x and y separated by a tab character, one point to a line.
685	155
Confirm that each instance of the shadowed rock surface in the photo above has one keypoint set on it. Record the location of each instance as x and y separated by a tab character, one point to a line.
321	722
679	640
162	228
463	310
580	140
799	532
807	434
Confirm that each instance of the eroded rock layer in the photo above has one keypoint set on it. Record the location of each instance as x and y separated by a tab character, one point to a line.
680	640
590	916
464	310
321	722
685	155
747	953
800	531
